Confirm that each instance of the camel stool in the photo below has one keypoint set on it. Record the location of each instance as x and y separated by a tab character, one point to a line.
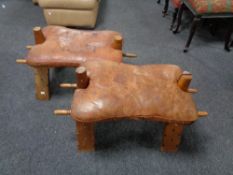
62	47
152	92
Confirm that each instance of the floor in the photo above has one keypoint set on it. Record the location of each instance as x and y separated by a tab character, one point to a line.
34	141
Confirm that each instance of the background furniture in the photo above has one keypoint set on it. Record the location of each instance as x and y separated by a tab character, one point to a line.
78	13
204	9
176	4
228	41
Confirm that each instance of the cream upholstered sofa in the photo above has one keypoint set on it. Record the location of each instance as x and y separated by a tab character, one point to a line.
81	13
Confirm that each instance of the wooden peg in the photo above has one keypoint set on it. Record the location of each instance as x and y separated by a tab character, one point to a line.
68	85
184	80
82	78
117	43
21	61
62	112
29	47
202	113
129	55
191	90
38	35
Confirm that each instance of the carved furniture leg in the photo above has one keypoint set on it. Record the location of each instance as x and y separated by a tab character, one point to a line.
85	136
165	8
171	137
180	12
192	32
42	83
174	17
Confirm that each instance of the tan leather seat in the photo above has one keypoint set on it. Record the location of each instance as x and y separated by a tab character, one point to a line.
81	13
118	90
69	47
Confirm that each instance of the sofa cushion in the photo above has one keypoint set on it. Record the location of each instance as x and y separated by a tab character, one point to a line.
211	6
118	90
69	47
69	4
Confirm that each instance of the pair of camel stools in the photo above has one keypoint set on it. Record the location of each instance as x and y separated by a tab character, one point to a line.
107	89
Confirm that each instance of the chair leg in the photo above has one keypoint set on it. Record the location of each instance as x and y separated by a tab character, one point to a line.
165	8
174	18
171	137
228	42
85	136
42	83
180	12
192	32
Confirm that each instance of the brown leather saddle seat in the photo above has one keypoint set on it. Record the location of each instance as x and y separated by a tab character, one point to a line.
69	47
118	90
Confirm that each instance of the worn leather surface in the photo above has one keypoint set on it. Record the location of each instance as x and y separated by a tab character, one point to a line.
69	4
118	90
69	47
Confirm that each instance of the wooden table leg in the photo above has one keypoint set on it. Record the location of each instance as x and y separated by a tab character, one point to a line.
85	136
42	83
171	137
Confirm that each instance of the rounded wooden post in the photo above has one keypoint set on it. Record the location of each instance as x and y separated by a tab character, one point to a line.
38	35
185	80
82	78
118	42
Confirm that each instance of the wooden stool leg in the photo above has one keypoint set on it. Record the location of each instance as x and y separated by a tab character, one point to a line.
85	136
171	137
42	83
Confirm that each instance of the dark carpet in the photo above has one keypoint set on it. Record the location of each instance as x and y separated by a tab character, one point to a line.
34	141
